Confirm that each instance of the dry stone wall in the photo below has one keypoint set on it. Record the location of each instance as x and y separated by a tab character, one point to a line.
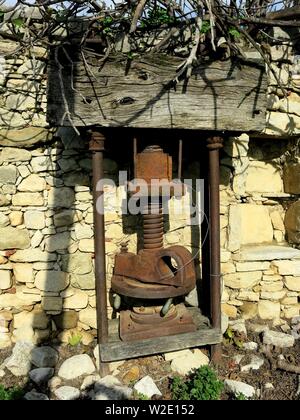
46	214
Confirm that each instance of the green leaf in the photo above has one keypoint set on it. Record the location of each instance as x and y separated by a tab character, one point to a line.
18	22
234	32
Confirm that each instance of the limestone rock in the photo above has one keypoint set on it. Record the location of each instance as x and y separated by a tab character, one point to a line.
13	154
54	383
229	310
5	279
51	281
238	326
78	301
84	281
291	177
278	339
288	268
4	220
110	388
268	309
34	219
36	319
12	238
83	231
76	366
242	280
249	310
60	241
44	357
251	346
175	354
183	365
32	255
67	393
4	200
281	124
237	388
25	137
77	263
19	363
65	218
252	266
41	375
90	381
16	218
61	197
269	172
33	183
8	174
292	221
147	386
292	283
23	273
27	199
5	340
35	396
88	317
52	304
66	320
255	364
42	164
266	253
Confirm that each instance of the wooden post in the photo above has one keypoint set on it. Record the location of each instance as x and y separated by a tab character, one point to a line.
214	144
97	148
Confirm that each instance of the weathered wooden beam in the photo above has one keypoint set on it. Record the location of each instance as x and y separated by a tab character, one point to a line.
220	95
121	350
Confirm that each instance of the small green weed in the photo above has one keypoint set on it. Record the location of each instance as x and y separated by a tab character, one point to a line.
8	394
232	338
75	339
202	385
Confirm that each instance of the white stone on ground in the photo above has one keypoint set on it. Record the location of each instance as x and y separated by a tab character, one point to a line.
76	366
147	386
175	354
41	375
224	323
251	346
89	381
110	388
237	388
238	326
278	339
184	364
238	358
35	396
44	357
54	383
2	373
255	364
269	386
67	393
19	362
258	328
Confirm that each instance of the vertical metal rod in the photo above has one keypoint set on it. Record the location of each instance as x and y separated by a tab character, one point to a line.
134	154
97	148
213	145
180	159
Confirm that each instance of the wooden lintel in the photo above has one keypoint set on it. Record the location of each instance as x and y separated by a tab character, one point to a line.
142	93
111	352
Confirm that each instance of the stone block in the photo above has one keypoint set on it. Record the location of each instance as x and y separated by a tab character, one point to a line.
292	222
12	238
268	309
268	172
34	219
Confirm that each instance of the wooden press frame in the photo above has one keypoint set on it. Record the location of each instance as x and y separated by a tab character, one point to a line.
111	348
